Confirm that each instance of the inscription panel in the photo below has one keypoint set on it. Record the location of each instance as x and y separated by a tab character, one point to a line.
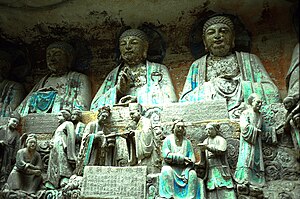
103	182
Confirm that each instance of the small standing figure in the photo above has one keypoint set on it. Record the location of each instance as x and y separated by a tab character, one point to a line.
93	144
79	126
62	155
26	174
178	178
9	145
219	181
141	137
250	167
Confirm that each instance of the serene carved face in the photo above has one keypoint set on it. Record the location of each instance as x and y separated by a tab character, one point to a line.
133	50
76	116
135	114
57	60
179	129
256	104
13	123
60	117
103	117
210	130
31	144
219	39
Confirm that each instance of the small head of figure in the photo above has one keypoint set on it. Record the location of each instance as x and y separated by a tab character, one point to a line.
14	120
135	111
5	64
103	115
59	57
218	36
76	115
63	115
31	142
133	44
288	103
212	129
255	102
178	128
296	120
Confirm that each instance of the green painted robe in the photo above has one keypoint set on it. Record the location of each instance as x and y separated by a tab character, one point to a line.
153	92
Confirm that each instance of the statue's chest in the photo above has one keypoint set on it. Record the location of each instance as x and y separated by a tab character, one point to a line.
58	83
226	66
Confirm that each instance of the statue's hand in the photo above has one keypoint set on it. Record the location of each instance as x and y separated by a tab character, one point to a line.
46	89
187	161
123	82
51	144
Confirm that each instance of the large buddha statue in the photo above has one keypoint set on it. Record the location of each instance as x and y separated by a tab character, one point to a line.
61	88
223	73
11	93
135	79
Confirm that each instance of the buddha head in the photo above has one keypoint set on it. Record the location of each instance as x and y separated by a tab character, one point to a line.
133	44
103	115
178	128
255	102
5	64
31	142
212	129
135	111
59	57
218	36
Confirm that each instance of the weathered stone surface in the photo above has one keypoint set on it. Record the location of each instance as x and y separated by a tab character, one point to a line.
3	120
40	123
114	182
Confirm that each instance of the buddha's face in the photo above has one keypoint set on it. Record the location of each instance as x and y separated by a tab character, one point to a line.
219	39
135	114
57	60
76	116
133	50
103	117
60	117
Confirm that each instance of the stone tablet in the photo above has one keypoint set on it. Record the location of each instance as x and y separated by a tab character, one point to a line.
40	123
102	182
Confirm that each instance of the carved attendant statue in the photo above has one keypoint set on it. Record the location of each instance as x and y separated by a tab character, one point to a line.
218	178
142	139
11	93
178	179
61	88
226	74
136	79
26	174
9	145
62	157
93	145
250	166
79	126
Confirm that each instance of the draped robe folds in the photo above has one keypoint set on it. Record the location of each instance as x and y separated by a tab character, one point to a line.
178	180
60	158
73	93
253	78
292	78
143	146
8	151
153	92
11	95
22	177
218	178
250	167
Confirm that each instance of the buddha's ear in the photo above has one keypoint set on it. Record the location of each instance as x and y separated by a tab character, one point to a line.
204	42
146	46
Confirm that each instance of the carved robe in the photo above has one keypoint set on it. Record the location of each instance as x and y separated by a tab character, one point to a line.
73	91
62	153
8	151
218	178
249	77
21	177
11	95
155	87
292	78
178	180
250	166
